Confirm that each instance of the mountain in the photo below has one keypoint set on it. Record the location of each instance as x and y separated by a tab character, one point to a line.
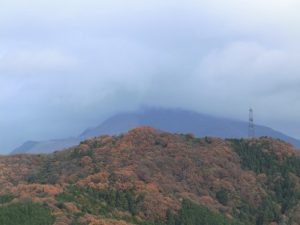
151	177
35	147
172	120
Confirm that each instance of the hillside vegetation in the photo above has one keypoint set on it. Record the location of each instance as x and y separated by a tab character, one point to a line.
148	177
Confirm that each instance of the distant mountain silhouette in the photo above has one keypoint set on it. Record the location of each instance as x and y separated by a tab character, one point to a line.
171	120
36	147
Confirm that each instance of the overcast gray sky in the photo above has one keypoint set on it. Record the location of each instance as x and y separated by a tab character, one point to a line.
67	65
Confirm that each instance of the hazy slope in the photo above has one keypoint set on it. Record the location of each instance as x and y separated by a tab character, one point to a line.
177	121
183	121
35	147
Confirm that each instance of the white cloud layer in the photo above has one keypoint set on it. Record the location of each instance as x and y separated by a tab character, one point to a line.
67	65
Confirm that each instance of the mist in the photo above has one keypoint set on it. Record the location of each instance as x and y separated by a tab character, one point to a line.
66	66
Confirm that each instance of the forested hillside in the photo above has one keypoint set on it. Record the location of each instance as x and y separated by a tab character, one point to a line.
149	177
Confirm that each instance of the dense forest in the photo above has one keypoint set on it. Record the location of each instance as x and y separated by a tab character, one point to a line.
148	177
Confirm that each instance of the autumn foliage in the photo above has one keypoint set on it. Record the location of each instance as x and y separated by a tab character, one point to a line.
145	175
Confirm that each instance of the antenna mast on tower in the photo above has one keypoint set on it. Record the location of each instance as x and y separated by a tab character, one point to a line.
251	127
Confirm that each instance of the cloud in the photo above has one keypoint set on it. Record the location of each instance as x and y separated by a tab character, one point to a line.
67	65
25	61
251	65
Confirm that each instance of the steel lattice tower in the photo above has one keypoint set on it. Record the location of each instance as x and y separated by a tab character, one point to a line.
251	127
